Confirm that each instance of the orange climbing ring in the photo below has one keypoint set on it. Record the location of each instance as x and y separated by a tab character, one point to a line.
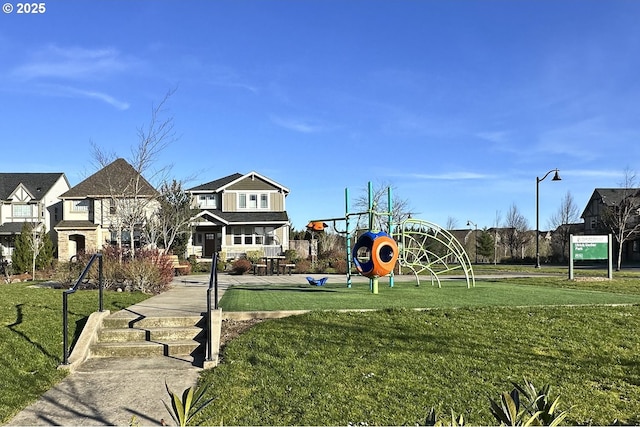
381	251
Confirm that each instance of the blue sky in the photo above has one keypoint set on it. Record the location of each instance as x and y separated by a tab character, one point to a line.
459	105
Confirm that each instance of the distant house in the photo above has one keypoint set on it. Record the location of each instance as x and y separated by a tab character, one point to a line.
109	207
239	213
605	200
29	197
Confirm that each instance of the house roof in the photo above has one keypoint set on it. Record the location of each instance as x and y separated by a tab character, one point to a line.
223	183
13	227
38	184
77	224
611	196
115	179
218	183
234	218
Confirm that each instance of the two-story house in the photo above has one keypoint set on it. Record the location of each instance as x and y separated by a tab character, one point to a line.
604	200
29	197
108	207
239	213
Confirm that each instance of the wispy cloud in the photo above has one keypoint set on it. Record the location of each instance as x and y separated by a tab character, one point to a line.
498	137
62	71
80	93
71	63
301	125
593	173
228	77
448	176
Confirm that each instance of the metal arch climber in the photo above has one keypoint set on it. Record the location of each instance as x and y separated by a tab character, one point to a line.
422	245
425	246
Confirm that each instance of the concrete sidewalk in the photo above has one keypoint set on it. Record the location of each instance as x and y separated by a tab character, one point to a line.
111	391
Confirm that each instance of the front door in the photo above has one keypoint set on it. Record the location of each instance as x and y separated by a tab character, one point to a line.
209	244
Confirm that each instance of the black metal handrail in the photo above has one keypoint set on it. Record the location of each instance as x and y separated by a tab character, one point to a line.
213	286
65	303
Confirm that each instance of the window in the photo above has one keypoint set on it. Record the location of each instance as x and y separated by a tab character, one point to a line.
80	206
253	201
207	201
112	206
252	235
22	211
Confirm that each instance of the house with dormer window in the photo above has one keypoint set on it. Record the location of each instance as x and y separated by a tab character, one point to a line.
237	214
109	207
609	202
32	198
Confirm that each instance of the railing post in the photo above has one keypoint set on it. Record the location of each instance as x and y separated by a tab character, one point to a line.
65	327
100	283
65	304
215	279
213	285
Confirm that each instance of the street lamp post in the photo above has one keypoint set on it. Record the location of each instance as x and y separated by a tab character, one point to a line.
556	177
475	238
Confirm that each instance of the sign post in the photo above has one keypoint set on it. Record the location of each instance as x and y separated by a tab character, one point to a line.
590	248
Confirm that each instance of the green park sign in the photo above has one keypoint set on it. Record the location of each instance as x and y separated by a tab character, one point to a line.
584	248
590	247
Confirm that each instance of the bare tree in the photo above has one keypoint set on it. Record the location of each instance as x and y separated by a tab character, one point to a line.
623	217
400	211
173	216
452	223
496	226
560	221
130	201
516	226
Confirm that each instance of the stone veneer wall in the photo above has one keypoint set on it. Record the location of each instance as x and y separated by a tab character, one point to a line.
90	239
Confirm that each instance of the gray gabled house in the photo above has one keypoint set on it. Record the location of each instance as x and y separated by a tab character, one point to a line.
32	198
95	209
610	199
239	213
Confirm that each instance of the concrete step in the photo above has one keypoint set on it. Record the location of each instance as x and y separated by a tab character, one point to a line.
118	321
146	348
151	334
125	335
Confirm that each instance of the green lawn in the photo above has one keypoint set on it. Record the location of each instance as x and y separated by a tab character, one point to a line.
454	293
31	338
389	367
381	367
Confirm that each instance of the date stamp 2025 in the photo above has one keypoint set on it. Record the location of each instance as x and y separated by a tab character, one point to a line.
25	8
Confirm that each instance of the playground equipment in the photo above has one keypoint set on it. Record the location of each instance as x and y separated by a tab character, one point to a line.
318	282
427	247
375	254
418	245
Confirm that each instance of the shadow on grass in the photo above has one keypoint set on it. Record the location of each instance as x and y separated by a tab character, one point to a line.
19	320
285	289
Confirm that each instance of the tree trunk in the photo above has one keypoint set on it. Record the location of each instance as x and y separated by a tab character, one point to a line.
619	257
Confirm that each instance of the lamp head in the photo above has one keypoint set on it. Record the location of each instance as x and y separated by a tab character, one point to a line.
556	177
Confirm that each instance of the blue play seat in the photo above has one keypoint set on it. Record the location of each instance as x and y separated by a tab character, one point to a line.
318	282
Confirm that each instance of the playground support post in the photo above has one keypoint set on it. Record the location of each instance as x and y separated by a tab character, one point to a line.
373	283
348	236
390	206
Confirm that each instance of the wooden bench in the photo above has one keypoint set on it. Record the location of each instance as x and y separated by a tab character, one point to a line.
258	267
178	269
286	268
